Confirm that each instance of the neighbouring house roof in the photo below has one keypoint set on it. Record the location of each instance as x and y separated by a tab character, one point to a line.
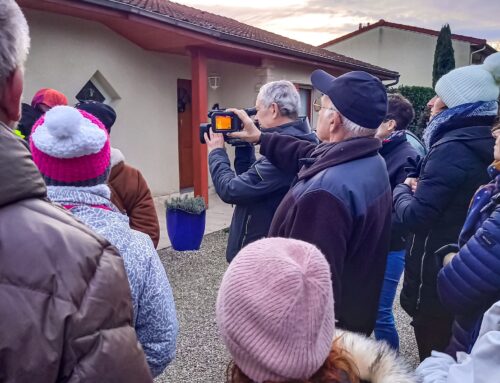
230	30
382	23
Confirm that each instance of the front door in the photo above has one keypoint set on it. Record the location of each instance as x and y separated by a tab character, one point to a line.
184	127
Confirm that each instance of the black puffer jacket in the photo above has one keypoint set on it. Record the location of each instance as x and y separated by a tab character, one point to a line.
450	174
65	304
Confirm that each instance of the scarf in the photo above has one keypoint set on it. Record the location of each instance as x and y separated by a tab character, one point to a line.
435	127
73	196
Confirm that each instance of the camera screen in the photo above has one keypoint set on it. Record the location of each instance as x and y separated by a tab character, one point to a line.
222	122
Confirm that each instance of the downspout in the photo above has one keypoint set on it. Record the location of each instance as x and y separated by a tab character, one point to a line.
393	83
474	52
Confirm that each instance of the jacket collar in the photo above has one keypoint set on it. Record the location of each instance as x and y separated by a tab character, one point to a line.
456	127
20	177
327	155
117	157
80	195
391	143
299	128
466	133
375	361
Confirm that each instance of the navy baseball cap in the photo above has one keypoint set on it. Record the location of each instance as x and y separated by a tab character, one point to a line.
357	95
102	112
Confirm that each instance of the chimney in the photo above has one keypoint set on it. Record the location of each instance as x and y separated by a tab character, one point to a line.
360	25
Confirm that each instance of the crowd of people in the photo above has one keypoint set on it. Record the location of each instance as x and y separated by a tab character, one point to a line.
325	223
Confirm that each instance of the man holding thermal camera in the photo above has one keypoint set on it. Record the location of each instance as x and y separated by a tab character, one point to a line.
258	191
342	199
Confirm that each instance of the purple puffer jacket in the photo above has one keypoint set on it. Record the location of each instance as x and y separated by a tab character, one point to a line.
470	283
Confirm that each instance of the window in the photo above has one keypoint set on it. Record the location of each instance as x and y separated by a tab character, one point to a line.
98	89
90	92
305	100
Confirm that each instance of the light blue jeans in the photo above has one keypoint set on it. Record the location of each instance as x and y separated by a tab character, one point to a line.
385	328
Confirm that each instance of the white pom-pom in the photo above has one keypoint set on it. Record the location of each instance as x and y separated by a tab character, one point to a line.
63	121
492	65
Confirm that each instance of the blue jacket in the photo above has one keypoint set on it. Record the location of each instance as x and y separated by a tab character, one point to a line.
256	192
470	283
450	174
341	204
155	318
396	150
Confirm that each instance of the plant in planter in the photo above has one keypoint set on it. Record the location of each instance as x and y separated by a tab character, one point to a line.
186	222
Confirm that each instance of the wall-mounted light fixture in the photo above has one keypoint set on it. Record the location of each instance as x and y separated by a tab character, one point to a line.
214	81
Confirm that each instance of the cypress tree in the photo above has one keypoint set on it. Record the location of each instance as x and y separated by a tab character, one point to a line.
444	56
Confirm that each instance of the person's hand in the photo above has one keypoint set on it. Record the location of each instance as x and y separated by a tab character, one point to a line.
413	166
412	183
215	141
448	257
250	132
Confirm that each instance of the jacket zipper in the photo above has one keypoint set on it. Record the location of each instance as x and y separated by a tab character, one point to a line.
246	231
421	272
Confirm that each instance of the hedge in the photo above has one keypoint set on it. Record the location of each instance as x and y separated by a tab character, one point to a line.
418	96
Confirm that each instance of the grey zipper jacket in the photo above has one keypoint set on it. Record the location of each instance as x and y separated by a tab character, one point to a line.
256	192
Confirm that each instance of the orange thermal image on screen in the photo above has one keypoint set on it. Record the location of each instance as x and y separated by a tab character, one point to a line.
223	123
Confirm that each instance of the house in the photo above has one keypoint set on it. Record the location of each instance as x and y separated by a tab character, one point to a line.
406	49
162	65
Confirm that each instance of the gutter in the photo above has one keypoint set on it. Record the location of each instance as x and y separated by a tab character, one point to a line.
395	82
228	37
474	52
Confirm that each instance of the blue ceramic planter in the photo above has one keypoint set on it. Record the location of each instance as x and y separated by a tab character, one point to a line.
185	230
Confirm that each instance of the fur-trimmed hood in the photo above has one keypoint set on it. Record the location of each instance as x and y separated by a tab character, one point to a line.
376	361
116	157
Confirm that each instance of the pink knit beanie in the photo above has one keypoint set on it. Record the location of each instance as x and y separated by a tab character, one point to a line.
71	148
275	310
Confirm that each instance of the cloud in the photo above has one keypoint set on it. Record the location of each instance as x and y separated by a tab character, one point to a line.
317	21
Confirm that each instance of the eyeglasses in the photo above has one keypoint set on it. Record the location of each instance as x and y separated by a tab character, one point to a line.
317	105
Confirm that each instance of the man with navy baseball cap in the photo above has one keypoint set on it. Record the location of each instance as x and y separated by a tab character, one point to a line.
342	200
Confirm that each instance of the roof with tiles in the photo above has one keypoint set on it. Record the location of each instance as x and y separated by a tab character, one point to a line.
383	23
245	34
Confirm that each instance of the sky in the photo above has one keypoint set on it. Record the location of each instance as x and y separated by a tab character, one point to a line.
318	21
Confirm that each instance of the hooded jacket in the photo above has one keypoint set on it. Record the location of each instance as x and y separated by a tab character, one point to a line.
256	192
65	304
131	194
155	318
376	361
342	204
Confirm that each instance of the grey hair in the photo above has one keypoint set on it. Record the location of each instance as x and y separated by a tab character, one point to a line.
284	94
352	129
14	39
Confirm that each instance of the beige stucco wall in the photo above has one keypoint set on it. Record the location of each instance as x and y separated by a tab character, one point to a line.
298	74
409	53
65	54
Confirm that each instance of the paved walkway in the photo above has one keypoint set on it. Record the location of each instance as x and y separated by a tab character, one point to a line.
218	217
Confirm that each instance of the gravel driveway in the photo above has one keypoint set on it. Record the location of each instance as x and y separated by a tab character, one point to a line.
195	277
